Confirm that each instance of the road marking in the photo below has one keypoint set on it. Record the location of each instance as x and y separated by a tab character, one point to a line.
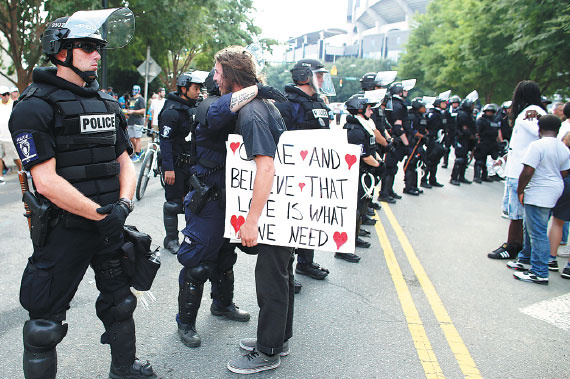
462	355
554	311
421	342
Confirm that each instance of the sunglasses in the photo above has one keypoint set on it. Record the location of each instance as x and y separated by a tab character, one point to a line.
87	47
6	94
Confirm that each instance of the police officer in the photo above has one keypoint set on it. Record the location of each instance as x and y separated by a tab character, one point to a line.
73	139
204	253
487	135
465	135
417	135
306	109
399	120
451	127
175	121
438	119
360	129
505	129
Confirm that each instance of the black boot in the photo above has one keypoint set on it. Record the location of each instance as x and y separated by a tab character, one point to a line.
223	296
477	171
386	190
462	170
485	174
170	211
189	298
121	337
136	370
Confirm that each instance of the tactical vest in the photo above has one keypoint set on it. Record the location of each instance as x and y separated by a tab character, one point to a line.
85	131
315	112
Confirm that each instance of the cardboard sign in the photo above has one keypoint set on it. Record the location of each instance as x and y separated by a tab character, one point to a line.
313	200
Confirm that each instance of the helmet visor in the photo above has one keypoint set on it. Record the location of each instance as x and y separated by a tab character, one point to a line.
384	78
375	97
323	84
444	95
115	27
473	96
408	84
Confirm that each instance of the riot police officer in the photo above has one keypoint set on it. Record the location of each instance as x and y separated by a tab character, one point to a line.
204	252
465	135
306	109
361	132
174	122
487	135
438	119
451	127
73	139
398	118
417	135
505	129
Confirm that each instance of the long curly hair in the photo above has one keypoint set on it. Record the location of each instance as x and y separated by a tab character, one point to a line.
238	66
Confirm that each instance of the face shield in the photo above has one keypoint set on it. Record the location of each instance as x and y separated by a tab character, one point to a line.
408	84
322	82
473	96
444	95
257	53
385	78
375	97
114	26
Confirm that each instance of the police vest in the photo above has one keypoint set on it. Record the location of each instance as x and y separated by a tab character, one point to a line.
213	142
315	112
85	131
180	132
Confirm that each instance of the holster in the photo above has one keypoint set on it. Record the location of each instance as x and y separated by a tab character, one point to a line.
200	196
139	262
184	160
40	209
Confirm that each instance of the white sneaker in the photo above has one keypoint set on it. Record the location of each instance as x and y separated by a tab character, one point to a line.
2	181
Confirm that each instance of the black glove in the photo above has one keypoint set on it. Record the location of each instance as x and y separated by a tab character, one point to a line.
389	147
268	92
111	227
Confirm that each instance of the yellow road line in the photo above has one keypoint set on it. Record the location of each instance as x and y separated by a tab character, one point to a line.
464	359
415	325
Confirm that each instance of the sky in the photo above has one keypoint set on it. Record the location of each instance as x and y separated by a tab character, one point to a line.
281	19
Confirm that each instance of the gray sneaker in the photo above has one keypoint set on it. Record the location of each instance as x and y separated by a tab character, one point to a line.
253	362
250	344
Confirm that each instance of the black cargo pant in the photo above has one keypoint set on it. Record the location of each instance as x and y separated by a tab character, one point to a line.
275	297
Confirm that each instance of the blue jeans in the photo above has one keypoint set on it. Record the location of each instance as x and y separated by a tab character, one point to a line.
536	246
565	233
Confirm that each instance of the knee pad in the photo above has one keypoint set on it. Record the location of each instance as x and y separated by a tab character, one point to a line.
43	335
173	208
199	274
125	308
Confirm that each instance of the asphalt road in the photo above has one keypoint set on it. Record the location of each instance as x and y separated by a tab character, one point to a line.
424	301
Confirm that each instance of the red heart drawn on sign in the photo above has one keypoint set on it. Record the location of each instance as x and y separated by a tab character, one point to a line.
237	222
340	239
234	146
304	154
301	186
350	160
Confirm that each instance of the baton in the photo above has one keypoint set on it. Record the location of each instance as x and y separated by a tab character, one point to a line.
412	154
23	177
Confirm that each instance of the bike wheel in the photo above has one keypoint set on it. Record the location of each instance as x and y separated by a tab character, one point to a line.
144	174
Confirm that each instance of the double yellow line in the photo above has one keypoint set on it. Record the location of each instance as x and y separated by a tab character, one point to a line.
421	342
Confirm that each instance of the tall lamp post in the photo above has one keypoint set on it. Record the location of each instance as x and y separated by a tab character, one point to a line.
104	59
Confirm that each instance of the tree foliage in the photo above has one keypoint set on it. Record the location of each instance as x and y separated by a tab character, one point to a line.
489	45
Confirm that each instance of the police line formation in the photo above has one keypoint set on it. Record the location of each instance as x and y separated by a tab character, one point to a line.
73	139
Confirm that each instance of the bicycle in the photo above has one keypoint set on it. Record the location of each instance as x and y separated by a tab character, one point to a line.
151	165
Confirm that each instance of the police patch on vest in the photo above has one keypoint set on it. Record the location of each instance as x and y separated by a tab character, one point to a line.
320	113
26	148
97	123
166	131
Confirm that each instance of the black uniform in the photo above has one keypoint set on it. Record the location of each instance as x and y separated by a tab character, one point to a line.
303	112
488	132
450	133
85	131
175	121
417	154
465	133
358	135
437	121
261	125
506	129
399	113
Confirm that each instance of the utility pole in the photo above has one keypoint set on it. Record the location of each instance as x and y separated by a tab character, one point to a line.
104	57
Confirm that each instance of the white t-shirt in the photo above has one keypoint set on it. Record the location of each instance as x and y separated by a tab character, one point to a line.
524	132
548	156
5	111
156	107
564	128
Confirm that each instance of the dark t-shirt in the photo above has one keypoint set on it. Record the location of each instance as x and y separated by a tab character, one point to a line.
136	104
260	124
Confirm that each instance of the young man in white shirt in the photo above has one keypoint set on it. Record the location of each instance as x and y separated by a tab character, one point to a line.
539	187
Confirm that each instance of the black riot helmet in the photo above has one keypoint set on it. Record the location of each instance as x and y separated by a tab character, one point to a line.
454	99
305	71
507	104
187	78
368	81
84	30
491	107
211	85
357	103
437	102
466	105
396	89
418	104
